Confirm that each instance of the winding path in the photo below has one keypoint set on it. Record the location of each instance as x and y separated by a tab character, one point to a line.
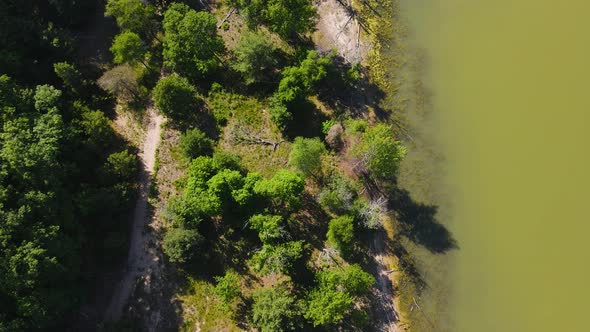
140	259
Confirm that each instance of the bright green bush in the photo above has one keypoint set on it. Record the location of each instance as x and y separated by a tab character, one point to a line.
341	233
306	155
228	287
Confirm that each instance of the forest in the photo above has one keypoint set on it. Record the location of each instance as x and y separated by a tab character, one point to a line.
274	176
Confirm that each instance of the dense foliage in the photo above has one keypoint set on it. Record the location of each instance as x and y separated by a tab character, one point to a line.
275	309
191	44
379	152
335	292
64	188
306	155
254	57
176	97
285	17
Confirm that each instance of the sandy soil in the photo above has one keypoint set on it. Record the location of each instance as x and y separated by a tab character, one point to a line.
338	28
141	260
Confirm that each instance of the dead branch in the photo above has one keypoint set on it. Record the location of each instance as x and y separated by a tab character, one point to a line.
229	13
241	135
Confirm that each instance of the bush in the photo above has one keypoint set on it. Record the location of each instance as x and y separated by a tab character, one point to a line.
338	196
254	57
269	227
277	258
335	293
181	245
341	233
306	155
274	309
380	153
176	97
228	287
194	143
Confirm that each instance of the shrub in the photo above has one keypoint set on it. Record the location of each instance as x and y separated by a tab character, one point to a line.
228	287
277	258
194	143
339	195
306	155
341	233
274	309
379	152
176	97
254	57
269	227
181	245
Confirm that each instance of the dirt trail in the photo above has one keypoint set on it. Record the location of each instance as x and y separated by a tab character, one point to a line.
141	260
384	290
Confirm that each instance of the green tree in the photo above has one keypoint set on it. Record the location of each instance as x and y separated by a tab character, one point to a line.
283	189
97	128
71	77
341	232
274	309
254	57
128	48
46	97
306	155
336	291
269	227
192	45
181	245
194	143
131	15
176	97
278	258
285	17
338	195
379	152
296	84
326	306
122	166
228	287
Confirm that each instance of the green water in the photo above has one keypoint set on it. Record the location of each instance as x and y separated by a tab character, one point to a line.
506	129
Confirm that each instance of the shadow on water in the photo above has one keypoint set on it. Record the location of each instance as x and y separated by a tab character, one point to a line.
419	224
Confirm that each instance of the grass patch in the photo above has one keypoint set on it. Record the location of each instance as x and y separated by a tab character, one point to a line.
202	309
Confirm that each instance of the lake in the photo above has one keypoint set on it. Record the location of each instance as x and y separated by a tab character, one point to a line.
501	150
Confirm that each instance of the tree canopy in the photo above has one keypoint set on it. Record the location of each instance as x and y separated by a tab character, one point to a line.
176	97
288	18
306	155
335	292
341	232
379	152
274	309
131	15
255	57
128	48
191	45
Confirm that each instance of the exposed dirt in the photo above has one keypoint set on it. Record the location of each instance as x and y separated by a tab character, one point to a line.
142	259
338	27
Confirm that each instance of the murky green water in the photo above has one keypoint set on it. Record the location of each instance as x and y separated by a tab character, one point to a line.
509	111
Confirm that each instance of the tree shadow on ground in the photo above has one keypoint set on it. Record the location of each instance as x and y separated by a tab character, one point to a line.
307	120
419	224
348	96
